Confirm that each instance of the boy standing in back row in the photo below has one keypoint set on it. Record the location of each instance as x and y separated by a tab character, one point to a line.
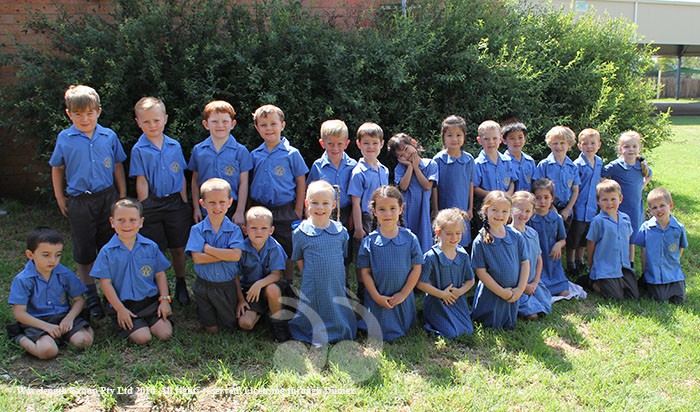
90	157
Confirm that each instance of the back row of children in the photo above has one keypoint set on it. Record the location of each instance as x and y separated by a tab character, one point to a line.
90	156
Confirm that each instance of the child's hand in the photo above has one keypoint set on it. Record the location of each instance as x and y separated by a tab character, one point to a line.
124	316
241	307
239	219
164	310
447	296
565	212
359	233
63	206
299	212
197	215
516	295
397	298
555	254
530	288
470	214
53	330
385	302
254	292
66	325
508	294
406	163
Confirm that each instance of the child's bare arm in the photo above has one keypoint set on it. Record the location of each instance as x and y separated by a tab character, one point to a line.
164	309
522	280
300	195
470	212
566	212
254	291
141	188
591	252
183	192
196	213
445	295
406	178
221	254
239	214
424	182
120	179
359	233
22	316
492	285
511	188
368	280
76	306
555	253
124	315
57	183
481	192
408	287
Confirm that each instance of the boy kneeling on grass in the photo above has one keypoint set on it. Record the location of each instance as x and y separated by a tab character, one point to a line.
131	270
41	296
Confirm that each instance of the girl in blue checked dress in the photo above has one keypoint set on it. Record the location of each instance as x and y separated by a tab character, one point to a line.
456	173
446	276
536	300
389	262
415	177
320	244
500	261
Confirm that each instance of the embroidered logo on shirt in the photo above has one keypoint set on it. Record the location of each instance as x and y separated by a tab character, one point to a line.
528	178
229	170
107	162
146	271
506	181
570	182
672	247
279	170
175	167
64	299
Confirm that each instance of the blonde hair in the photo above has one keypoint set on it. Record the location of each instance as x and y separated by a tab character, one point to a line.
81	97
147	103
451	216
494	196
214	184
259	212
318	186
659	193
522	195
590	132
218	106
266	110
607	186
334	128
489	125
561	132
633	135
370	129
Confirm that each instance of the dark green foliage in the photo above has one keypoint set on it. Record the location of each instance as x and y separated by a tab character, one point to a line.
478	59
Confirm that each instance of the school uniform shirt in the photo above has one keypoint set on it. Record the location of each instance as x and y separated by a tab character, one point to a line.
550	229
229	236
501	259
564	176
494	176
163	168
324	169
132	272
541	300
89	162
631	182
663	250
612	238
441	272
228	163
364	180
390	262
524	169
454	178
274	174
586	206
45	297
324	314
255	265
416	209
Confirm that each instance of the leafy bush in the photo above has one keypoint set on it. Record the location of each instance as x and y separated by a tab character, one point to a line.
479	59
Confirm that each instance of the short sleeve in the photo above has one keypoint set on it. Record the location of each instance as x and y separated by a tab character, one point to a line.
245	159
477	175
75	286
297	165
192	165
195	243
297	249
683	241
539	171
478	260
314	173
356	183
57	159
427	270
641	236
235	241
20	291
162	263
522	248
561	230
118	150
469	272
594	231
416	252
363	255
399	172
101	267
136	166
431	171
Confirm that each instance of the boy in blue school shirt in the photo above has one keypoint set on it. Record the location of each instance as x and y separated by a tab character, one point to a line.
561	170
493	170
514	136
279	177
662	240
366	177
335	167
41	296
158	165
260	269
608	246
590	169
131	270
220	155
90	158
215	244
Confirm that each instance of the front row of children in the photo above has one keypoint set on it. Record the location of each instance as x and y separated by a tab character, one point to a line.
238	280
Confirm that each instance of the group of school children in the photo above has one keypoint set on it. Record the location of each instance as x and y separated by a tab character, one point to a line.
527	213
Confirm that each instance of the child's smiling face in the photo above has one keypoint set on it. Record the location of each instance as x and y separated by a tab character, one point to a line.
270	128
453	139
498	213
126	222
543	201
490	139
522	212
515	141
320	204
219	125
450	235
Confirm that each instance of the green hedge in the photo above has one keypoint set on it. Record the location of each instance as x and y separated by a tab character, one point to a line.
479	59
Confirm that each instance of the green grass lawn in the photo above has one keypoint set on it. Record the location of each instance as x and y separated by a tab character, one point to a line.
589	354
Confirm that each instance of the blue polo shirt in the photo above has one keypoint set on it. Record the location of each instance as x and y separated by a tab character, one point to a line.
89	162
364	180
524	169
274	173
494	176
229	236
564	176
163	168
42	297
228	163
611	238
324	169
663	250
586	206
132	272
454	176
255	265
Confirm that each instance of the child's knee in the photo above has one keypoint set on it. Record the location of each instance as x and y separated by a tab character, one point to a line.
46	348
141	336
82	339
163	330
248	320
272	292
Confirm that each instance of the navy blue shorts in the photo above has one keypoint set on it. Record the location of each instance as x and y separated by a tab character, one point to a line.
88	215
167	220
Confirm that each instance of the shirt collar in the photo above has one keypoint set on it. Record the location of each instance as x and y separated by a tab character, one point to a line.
398	240
325	161
73	131
485	159
445	157
444	260
226	225
144	142
551	160
671	223
309	229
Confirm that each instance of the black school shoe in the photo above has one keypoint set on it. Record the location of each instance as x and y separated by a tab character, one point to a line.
181	294
94	306
280	330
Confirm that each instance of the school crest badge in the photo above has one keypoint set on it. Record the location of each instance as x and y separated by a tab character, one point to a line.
528	178
107	163
280	170
673	247
175	167
506	181
570	183
229	170
146	271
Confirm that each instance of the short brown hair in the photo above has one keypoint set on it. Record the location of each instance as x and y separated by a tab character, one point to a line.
334	128
81	97
371	130
607	186
218	106
266	110
659	193
147	103
214	184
